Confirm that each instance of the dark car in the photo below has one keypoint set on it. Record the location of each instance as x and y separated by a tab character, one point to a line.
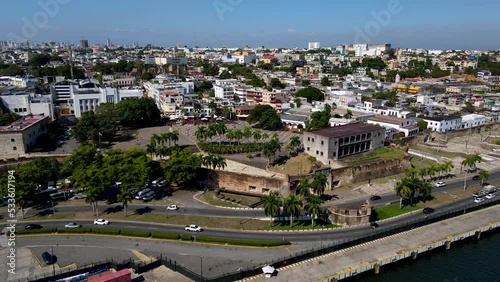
428	210
48	258
33	226
375	198
475	177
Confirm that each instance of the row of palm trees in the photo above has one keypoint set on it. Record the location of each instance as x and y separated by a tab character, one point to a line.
220	130
435	169
408	186
292	206
317	185
159	144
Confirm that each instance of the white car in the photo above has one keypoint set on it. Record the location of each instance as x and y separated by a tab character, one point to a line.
490	196
193	228
172	208
101	221
478	200
72	225
440	184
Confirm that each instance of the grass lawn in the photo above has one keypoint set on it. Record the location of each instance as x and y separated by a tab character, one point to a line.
393	210
385	153
293	165
438	151
209	198
302	225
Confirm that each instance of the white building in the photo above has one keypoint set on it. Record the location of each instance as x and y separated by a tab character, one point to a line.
224	92
313	46
25	103
473	120
444	123
407	126
18	137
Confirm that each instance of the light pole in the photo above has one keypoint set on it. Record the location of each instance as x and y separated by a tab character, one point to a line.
201	267
53	262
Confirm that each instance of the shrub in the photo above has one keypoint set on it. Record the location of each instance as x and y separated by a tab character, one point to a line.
230	149
250	156
106	231
168	236
144	234
35	231
239	242
186	237
74	230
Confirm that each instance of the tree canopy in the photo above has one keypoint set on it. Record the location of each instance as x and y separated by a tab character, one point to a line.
311	94
265	116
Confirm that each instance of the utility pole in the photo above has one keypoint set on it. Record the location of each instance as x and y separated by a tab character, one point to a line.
53	264
201	267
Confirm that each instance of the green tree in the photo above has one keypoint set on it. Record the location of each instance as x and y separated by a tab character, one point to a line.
311	94
319	120
265	116
137	112
422	125
201	133
348	114
313	207
124	197
270	149
304	188
319	183
8	118
483	175
277	84
325	81
292	207
272	205
182	166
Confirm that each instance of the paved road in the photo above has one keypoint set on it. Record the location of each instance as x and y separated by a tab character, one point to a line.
297	236
225	212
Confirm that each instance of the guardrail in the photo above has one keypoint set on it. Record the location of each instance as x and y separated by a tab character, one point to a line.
287	260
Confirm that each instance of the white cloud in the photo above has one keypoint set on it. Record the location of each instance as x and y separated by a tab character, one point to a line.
291	30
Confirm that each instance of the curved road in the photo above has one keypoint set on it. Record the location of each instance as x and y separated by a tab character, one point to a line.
297	236
246	213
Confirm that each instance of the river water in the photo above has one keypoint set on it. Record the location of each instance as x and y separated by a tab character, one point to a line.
474	261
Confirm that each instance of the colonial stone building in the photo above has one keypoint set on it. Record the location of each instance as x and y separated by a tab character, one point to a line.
19	136
333	143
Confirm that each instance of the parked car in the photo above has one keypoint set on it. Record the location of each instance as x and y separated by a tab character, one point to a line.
375	198
142	193
155	182
475	177
48	258
148	197
193	228
72	225
478	200
490	196
440	184
172	208
428	210
101	221
33	226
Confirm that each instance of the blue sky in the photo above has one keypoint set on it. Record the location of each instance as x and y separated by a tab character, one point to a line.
446	24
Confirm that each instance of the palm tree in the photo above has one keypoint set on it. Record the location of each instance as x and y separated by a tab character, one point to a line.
319	183
403	190
226	112
270	149
483	175
257	135
155	140
212	130
173	136
425	190
91	198
164	138
292	206
201	133
295	142
423	172
151	149
214	161
221	129
304	188
124	197
272	205
230	135
313	207
247	132
238	135
265	136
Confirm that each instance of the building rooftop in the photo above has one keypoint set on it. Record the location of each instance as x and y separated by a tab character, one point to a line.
294	118
23	123
387	119
346	130
441	118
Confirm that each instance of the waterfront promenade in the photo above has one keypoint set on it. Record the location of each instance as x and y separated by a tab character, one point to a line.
373	255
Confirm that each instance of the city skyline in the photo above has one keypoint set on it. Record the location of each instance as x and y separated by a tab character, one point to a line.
236	23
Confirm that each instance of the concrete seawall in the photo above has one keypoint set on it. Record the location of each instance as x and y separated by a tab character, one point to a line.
372	256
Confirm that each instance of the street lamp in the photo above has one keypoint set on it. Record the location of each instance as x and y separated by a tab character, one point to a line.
201	267
53	262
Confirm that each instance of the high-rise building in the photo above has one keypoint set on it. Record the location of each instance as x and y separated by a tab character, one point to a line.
313	46
84	43
108	42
